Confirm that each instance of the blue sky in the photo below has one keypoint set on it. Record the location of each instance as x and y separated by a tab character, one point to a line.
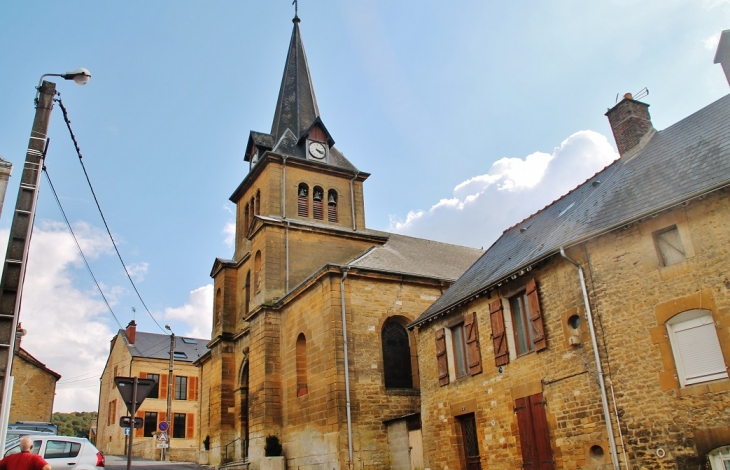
469	116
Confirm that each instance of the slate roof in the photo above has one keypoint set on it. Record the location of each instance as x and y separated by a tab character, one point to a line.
686	160
157	346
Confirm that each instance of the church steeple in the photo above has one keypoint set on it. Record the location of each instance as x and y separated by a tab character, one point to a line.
296	108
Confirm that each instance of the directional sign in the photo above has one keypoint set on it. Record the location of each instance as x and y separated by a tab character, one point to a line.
163	445
164	425
126	422
126	385
162	437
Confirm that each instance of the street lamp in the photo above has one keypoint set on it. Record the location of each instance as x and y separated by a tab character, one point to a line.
16	256
169	389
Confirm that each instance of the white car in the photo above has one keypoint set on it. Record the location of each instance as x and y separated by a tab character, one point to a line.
71	453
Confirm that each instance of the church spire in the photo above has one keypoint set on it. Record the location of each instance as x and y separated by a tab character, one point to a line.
296	108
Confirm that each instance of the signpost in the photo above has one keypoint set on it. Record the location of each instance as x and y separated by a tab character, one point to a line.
133	391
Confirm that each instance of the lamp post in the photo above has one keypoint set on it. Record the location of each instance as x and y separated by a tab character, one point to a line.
169	390
16	257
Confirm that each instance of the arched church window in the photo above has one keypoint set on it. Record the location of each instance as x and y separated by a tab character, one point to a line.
245	220
396	355
253	209
332	205
258	202
257	272
301	365
317	203
247	293
217	314
303	200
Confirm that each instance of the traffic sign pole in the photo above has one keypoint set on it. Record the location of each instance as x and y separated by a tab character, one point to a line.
133	410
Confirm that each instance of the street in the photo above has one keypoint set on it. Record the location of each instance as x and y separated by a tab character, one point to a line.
117	462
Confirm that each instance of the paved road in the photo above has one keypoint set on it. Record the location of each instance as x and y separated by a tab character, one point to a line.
119	462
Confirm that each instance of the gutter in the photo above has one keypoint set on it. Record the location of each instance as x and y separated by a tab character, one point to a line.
347	367
597	358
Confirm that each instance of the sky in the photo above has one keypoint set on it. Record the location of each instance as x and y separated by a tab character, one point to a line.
469	115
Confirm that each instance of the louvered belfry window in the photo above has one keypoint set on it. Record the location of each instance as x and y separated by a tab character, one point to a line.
303	200
332	205
317	203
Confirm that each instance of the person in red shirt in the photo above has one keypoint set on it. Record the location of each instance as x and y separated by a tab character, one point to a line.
24	460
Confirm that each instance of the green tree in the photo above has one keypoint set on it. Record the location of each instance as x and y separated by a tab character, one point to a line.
74	424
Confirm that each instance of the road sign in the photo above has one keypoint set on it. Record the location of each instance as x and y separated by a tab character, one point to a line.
125	386
163	446
126	422
162	437
127	431
164	425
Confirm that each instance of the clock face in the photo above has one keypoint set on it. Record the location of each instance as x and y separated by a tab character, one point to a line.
317	150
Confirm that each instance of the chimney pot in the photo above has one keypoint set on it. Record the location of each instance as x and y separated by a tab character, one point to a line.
131	332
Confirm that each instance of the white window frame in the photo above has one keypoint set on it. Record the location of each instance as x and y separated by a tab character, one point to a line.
720	458
681	324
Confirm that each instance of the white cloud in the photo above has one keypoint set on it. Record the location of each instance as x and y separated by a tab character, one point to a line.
711	42
482	207
196	313
137	271
230	234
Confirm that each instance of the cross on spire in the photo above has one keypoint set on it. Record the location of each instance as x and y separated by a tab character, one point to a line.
296	9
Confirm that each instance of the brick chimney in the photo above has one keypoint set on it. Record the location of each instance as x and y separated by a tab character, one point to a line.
630	122
131	332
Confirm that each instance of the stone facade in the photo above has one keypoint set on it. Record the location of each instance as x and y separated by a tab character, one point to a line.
34	389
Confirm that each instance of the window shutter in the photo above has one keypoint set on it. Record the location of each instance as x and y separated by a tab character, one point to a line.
192	388
143	375
161	415
538	328
189	425
699	350
472	344
524	424
317	210
163	386
139	432
443	365
542	436
303	207
499	338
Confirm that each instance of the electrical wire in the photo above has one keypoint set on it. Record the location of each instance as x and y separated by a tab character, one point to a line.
73	235
93	193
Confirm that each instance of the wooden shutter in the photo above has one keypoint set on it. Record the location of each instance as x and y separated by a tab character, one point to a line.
143	375
161	415
317	210
473	352
538	328
542	437
303	206
499	338
192	388
524	424
443	365
190	426
139	432
163	386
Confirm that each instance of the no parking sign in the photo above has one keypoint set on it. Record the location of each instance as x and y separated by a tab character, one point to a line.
164	425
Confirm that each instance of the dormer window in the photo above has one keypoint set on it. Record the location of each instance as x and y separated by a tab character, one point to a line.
303	200
332	205
317	205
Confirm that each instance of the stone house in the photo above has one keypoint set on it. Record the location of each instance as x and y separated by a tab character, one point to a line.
147	355
596	332
34	387
309	340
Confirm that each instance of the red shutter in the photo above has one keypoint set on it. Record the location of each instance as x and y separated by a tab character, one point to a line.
143	375
161	417
473	352
332	212
317	210
163	386
189	425
538	328
192	388
524	424
139	432
443	365
499	338
303	207
542	436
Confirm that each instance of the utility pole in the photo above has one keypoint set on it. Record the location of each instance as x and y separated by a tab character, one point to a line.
16	257
169	391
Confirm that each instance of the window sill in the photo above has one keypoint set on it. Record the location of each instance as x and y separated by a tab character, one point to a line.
720	385
402	391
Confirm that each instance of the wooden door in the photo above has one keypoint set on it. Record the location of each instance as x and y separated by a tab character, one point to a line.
470	441
415	448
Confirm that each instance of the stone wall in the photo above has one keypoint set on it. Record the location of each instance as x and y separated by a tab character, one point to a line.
34	389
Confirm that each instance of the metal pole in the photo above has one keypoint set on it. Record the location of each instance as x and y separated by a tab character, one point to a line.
131	431
16	257
169	395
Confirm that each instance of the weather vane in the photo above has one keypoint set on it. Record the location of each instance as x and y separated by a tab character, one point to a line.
296	8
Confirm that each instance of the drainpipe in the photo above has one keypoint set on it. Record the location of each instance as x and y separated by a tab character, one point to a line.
283	215
597	357
352	201
347	367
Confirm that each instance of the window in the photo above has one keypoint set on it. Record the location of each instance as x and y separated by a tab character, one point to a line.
150	423
669	246
155	391
525	326
245	220
463	342
181	387
61	449
218	306
247	293
189	340
396	355
332	205
112	413
317	203
696	348
180	355
257	272
720	458
302	365
257	210
178	426
303	200
534	435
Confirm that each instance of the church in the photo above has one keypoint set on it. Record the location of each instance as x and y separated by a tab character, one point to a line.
309	340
